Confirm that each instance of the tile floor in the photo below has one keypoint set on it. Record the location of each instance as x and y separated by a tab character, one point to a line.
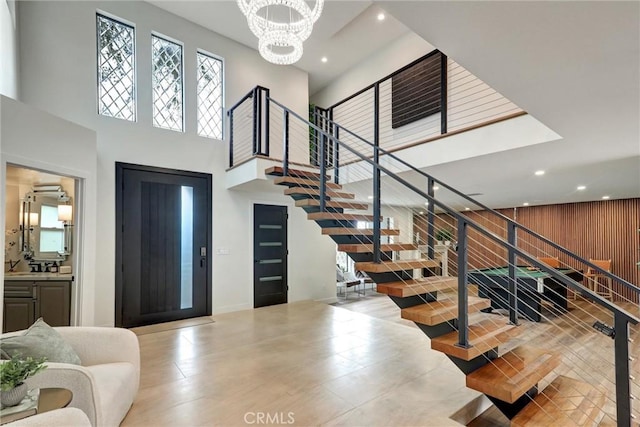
302	364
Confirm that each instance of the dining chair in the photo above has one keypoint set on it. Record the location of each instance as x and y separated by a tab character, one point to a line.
592	278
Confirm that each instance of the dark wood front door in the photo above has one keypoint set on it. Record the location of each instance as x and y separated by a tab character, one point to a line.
269	255
163	229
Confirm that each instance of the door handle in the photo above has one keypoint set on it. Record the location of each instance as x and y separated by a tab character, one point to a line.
202	262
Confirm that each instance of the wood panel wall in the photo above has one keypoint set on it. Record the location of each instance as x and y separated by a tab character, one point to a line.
599	230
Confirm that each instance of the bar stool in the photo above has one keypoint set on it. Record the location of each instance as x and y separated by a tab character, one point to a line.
592	278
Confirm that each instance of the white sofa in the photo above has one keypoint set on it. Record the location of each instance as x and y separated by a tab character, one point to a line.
67	417
107	382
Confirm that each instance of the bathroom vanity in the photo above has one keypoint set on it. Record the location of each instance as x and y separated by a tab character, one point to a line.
28	296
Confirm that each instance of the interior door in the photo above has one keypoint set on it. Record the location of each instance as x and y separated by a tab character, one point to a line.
163	245
269	255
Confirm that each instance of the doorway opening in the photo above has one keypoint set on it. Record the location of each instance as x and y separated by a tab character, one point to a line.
42	236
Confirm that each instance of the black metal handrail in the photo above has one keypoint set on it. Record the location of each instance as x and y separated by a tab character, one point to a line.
460	217
505	218
385	78
622	318
328	112
258	148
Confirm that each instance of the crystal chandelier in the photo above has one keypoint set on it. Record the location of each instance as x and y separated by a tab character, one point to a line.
280	39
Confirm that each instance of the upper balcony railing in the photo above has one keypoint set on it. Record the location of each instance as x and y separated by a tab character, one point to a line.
428	99
423	101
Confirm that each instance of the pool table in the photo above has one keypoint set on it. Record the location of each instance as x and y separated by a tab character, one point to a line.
533	286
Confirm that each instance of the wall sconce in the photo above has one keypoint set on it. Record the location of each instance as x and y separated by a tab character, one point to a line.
33	219
65	213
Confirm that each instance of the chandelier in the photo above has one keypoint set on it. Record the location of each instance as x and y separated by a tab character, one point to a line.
281	26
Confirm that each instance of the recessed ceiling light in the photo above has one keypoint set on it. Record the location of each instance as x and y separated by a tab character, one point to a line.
581	187
370	197
435	187
324	59
426	203
540	173
421	212
525	204
605	197
467	209
381	16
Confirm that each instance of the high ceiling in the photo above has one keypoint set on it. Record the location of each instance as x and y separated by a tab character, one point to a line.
574	66
339	34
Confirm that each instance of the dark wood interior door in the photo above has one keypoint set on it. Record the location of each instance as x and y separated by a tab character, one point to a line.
164	229
269	255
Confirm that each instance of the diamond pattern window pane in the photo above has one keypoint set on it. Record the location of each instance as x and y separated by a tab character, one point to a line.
116	69
167	84
210	114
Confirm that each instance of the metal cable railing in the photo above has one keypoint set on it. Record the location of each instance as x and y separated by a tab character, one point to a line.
399	165
489	236
428	98
249	124
463	223
581	327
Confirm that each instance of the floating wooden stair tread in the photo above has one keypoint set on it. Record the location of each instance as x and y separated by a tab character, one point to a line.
367	248
386	266
303	182
509	377
326	216
564	402
345	231
332	204
483	336
302	191
425	285
296	173
436	312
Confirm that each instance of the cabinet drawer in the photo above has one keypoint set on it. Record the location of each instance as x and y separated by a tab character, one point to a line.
18	290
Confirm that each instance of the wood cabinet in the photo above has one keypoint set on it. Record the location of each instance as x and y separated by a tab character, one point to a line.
26	301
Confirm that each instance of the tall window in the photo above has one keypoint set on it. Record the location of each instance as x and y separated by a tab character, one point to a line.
210	98
116	69
167	84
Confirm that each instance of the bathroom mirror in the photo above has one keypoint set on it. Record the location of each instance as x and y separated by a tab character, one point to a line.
45	224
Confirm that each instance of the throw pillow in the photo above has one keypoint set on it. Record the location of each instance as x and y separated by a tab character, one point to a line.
40	340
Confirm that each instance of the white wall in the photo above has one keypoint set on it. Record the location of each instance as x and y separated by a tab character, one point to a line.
8	49
59	37
311	255
38	140
395	56
69	91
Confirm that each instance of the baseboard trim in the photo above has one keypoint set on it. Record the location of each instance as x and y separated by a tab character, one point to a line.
231	308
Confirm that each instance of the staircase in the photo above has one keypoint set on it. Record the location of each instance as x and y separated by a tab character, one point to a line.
532	385
510	380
